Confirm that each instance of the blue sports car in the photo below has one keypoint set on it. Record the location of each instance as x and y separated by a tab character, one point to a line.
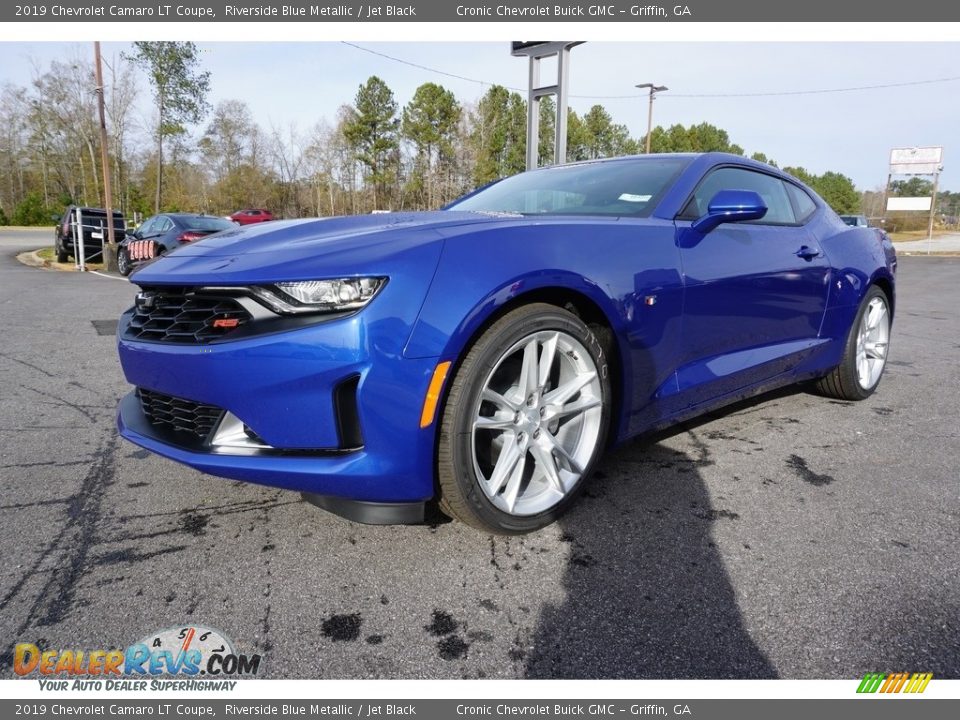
485	355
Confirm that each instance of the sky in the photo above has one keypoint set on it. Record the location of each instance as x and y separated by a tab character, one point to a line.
847	132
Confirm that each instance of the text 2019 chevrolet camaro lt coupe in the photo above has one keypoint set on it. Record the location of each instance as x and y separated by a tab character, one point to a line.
483	356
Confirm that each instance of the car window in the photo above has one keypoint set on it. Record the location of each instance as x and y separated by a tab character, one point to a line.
147	227
207	224
619	188
769	188
803	205
164	225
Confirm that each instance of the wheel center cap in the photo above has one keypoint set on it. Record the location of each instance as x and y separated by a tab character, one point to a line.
532	419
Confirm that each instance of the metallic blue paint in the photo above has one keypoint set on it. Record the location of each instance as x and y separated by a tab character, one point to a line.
698	320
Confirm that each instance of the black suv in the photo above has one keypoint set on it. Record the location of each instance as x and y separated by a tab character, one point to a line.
93	222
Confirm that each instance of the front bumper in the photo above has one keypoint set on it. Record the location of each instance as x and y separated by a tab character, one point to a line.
283	385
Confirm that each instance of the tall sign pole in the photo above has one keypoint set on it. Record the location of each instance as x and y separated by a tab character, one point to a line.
537	51
933	205
109	247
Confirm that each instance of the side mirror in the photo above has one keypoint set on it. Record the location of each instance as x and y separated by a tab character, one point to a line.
731	206
55	218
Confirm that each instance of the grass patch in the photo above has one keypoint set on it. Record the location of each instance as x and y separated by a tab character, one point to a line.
914	235
48	255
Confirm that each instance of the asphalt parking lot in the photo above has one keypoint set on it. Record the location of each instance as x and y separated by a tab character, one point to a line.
791	536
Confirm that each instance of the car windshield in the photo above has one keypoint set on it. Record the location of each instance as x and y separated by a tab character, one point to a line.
208	224
96	216
628	188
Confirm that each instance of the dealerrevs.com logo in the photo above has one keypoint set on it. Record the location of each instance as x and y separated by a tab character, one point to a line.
184	657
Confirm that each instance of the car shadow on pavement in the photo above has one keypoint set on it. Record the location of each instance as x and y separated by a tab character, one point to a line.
647	595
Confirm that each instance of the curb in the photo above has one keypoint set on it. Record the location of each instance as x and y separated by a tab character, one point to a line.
32	259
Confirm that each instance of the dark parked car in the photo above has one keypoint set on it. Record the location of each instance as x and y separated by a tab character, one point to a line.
486	355
162	233
93	221
253	215
855	220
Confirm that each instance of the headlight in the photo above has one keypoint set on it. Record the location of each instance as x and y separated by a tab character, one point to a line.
311	296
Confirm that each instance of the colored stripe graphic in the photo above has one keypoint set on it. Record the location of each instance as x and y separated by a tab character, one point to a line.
894	682
918	683
870	682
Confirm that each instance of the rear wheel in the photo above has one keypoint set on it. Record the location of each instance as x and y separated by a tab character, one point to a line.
524	422
865	353
62	255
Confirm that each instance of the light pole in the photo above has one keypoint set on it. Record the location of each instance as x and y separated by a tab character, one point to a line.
654	89
108	251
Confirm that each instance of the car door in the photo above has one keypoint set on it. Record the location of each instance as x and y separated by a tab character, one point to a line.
754	292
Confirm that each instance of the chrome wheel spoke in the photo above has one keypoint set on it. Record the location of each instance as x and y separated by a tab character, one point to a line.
513	484
569	389
498	399
556	447
493	423
529	370
510	455
876	350
547	357
879	315
547	467
574	408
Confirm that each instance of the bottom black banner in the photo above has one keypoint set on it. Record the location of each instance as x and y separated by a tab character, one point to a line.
874	708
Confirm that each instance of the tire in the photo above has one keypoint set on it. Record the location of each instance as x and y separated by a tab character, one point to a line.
62	255
864	353
511	462
123	262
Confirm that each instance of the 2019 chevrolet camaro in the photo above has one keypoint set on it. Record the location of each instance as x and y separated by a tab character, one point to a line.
484	356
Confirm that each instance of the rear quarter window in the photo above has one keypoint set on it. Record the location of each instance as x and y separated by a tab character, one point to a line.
803	205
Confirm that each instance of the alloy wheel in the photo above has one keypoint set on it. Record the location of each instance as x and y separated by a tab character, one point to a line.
872	341
537	423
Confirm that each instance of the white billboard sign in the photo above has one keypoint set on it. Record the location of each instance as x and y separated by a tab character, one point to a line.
916	160
908	204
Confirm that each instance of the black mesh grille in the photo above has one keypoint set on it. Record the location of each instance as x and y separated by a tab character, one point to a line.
180	315
173	413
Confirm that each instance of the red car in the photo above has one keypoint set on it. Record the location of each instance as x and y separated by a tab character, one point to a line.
246	217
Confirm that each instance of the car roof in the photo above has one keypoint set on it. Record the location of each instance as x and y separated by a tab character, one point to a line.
709	158
184	214
83	208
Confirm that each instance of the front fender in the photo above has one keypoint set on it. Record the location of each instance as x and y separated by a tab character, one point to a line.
480	272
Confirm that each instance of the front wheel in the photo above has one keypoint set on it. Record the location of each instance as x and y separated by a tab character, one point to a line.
865	352
525	421
123	262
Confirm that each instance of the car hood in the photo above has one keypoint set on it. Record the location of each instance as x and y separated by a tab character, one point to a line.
304	249
323	235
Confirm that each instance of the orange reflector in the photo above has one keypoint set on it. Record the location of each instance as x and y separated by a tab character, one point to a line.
433	394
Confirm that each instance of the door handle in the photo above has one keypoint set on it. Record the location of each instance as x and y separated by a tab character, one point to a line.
807	253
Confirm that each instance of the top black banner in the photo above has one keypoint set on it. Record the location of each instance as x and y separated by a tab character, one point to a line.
475	11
